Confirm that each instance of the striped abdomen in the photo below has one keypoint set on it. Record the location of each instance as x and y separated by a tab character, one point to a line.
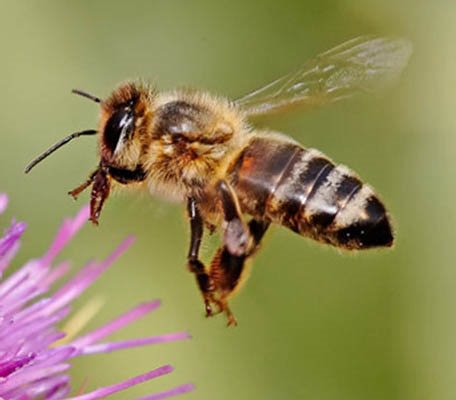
303	190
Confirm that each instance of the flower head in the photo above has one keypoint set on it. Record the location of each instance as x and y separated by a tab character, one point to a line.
34	355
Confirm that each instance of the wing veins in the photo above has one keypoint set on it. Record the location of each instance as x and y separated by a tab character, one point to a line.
363	64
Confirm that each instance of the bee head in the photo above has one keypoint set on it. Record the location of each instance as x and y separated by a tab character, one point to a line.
124	121
125	117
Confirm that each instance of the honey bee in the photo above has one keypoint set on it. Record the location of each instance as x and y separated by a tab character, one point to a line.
193	147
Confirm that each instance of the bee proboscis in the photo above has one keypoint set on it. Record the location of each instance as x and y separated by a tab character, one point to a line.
193	147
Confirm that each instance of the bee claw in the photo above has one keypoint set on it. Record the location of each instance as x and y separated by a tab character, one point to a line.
231	321
209	312
230	316
94	221
222	306
73	195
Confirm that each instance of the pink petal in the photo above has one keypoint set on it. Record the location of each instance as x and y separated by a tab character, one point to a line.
8	256
85	278
32	364
31	312
170	393
124	344
43	341
3	202
30	329
58	393
56	273
46	387
11	236
66	232
116	324
21	280
8	367
25	377
22	297
108	390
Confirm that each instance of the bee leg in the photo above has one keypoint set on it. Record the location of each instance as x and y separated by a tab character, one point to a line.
78	190
225	271
101	181
236	235
203	280
228	270
100	192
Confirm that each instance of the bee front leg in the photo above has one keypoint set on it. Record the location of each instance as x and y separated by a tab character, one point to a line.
203	280
100	192
83	186
100	180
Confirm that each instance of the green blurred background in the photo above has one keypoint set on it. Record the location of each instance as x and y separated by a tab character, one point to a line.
313	323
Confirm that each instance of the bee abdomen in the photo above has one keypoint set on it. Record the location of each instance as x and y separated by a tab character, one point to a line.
329	203
305	191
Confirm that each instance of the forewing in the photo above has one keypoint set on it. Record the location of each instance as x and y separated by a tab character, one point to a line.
363	64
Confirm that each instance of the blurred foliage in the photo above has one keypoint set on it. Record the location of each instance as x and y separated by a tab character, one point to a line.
314	323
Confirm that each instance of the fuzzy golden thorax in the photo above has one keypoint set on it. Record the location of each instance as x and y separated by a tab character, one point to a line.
194	137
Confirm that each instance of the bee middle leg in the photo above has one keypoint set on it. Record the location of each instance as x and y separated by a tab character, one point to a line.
194	264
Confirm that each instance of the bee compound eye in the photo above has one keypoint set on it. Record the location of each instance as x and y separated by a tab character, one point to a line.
118	128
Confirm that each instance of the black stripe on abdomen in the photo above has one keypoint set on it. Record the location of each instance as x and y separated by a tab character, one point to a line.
310	196
297	187
363	222
330	195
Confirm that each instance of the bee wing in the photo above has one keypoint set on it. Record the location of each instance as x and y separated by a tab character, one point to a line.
363	64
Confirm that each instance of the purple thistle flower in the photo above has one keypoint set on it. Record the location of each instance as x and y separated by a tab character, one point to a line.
33	360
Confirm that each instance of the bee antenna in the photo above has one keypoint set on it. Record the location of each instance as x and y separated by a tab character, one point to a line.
56	146
87	95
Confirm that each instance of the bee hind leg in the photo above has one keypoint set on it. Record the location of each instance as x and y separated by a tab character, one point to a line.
228	271
236	236
240	242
